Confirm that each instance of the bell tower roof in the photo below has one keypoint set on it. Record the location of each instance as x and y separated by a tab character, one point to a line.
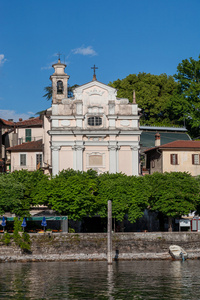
59	68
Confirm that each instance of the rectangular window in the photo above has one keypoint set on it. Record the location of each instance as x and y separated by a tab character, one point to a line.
22	159
38	161
195	159
28	135
174	159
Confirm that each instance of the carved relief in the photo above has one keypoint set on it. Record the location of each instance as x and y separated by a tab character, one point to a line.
95	159
65	123
125	123
95	92
95	109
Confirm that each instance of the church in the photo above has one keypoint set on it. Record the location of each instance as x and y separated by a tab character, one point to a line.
92	130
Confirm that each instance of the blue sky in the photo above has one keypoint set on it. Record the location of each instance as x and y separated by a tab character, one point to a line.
119	37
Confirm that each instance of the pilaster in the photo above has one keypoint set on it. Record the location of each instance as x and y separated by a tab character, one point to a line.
55	160
135	160
113	157
78	156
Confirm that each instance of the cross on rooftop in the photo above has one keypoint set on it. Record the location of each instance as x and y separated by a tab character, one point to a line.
59	54
94	68
94	75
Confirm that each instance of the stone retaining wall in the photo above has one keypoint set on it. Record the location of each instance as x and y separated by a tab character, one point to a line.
93	246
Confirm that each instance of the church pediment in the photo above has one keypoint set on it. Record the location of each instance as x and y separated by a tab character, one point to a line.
95	89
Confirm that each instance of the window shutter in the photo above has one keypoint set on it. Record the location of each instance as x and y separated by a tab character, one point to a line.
28	135
171	158
176	159
193	159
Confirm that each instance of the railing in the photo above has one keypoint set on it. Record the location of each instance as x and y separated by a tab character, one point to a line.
29	139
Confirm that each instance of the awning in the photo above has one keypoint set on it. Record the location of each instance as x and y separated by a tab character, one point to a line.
39	218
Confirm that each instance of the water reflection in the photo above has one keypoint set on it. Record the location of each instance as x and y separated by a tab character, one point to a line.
97	280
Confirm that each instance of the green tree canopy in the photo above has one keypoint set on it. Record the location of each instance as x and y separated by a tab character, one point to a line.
12	196
153	95
173	194
187	107
128	195
73	193
18	189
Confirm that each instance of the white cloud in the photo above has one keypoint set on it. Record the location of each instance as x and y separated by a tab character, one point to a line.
85	51
2	59
11	114
47	67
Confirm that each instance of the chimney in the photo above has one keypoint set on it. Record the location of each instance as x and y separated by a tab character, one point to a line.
20	119
157	139
11	120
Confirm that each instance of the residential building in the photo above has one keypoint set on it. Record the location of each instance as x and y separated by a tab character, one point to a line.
27	156
17	133
177	156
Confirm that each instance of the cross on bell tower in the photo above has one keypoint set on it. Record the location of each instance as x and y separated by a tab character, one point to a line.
94	75
59	54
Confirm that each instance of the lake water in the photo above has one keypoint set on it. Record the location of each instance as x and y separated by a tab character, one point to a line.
97	280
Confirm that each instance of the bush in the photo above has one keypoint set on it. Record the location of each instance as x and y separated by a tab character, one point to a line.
6	239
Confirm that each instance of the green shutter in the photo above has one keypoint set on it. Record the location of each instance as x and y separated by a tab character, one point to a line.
28	135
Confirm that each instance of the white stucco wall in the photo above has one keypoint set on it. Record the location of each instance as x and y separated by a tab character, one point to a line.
30	161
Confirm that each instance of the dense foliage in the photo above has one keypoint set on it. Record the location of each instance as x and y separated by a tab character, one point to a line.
173	194
153	95
166	100
187	107
85	194
18	189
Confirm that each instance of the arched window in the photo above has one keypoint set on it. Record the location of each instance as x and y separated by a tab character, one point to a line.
94	121
59	87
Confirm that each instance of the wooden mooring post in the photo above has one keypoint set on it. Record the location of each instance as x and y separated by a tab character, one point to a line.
109	233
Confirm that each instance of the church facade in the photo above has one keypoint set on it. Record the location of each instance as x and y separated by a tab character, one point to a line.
92	130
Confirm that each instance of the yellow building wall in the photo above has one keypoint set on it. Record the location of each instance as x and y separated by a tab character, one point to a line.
184	162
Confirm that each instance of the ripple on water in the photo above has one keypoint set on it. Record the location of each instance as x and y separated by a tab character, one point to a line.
96	280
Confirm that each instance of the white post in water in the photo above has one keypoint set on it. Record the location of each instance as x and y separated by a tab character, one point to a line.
109	229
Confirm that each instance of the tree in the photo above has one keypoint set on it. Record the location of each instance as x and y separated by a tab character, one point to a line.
73	193
32	181
187	107
18	191
153	95
12	196
173	194
128	195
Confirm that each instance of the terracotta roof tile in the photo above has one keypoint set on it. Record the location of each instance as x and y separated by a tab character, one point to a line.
29	146
30	122
178	144
182	144
9	123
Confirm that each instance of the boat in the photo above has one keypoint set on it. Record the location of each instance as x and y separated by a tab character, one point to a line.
177	252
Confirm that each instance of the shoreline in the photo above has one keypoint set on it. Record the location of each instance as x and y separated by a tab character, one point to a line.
88	257
93	247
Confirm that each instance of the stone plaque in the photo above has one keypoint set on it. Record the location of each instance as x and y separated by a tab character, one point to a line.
95	160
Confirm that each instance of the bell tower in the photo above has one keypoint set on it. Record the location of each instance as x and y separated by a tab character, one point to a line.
59	83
